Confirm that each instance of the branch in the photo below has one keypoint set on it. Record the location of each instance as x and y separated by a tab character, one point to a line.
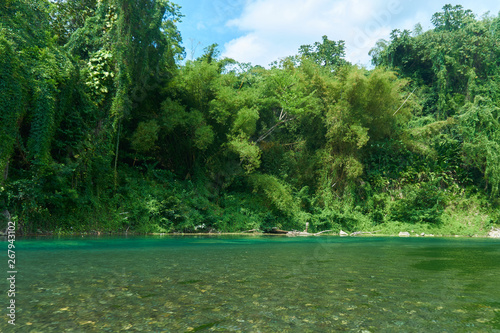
404	101
282	114
283	119
319	233
269	131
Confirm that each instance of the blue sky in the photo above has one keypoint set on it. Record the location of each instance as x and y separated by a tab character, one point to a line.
261	31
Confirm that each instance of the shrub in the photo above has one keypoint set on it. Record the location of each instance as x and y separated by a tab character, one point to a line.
422	203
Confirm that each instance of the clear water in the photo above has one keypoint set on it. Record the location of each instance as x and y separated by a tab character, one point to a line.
256	284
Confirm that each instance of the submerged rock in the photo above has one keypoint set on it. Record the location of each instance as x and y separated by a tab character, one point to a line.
404	234
494	233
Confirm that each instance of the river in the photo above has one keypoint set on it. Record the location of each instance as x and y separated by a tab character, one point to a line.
255	284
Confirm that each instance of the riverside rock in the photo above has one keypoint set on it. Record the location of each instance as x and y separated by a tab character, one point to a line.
404	234
494	233
343	233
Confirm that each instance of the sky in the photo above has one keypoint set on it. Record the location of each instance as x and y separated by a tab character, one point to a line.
262	31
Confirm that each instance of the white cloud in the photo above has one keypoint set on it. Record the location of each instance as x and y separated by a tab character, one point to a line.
247	47
272	29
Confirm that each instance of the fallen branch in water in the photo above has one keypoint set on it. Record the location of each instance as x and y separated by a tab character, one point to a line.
304	233
319	233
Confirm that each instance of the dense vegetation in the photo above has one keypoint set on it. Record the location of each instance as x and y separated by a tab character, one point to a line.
105	128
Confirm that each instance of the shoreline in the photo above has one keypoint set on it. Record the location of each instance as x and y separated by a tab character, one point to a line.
217	234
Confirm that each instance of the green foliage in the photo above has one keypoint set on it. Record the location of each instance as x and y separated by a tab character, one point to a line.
454	60
328	53
37	70
453	144
480	128
452	18
203	137
420	204
102	128
248	152
275	192
145	136
366	111
246	121
100	74
67	16
11	98
287	88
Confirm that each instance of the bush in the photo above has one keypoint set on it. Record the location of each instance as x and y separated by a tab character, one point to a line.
422	203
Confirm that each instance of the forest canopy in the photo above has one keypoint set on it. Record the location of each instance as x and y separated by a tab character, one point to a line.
105	126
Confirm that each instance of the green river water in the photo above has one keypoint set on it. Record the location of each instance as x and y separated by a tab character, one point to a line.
255	284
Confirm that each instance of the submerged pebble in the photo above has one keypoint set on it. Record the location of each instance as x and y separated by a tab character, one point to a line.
368	286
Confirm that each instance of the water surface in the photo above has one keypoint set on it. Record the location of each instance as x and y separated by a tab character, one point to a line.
256	284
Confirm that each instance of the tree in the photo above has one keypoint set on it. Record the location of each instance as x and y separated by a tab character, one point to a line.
34	78
67	16
480	128
109	45
452	18
456	65
286	89
368	108
327	53
450	60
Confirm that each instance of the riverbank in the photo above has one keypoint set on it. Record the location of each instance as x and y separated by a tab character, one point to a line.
455	228
493	233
